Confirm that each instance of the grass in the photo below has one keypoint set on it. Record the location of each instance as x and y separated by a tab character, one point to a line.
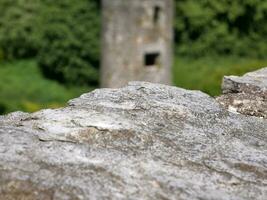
22	87
206	73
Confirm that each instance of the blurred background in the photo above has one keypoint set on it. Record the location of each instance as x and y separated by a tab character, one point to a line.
50	50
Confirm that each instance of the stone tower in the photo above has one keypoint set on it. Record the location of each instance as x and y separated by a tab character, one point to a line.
137	37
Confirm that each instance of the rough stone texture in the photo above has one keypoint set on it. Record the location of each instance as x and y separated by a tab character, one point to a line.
143	141
134	31
246	94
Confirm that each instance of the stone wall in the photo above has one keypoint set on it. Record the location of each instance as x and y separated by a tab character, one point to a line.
137	39
246	94
142	141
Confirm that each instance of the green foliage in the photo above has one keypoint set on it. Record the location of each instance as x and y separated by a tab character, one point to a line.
64	34
70	43
228	27
2	108
206	73
22	87
19	34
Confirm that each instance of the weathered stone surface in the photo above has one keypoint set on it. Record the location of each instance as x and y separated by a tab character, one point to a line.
246	94
143	141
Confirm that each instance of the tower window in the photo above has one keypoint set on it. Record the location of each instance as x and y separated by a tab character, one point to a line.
156	15
152	59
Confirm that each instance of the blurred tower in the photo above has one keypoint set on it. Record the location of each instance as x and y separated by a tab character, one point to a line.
137	37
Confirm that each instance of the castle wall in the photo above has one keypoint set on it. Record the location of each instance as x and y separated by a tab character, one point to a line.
136	41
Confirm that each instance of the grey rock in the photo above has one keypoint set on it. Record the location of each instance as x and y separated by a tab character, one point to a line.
246	94
143	141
